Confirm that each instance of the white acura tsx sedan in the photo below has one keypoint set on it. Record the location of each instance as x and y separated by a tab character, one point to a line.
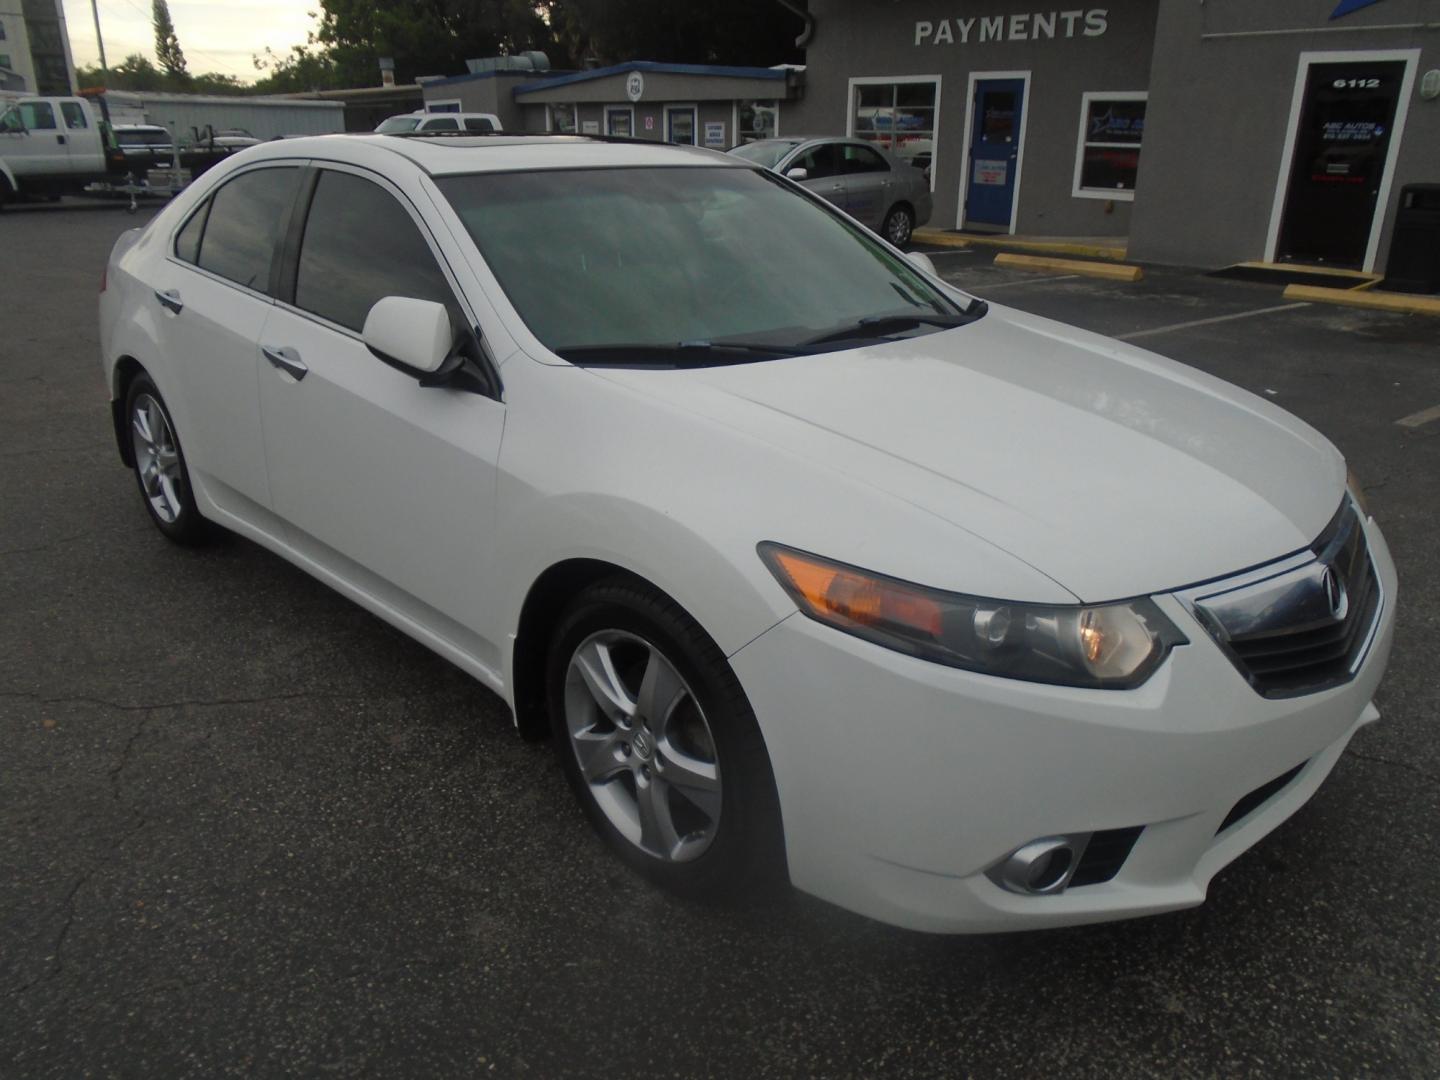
807	562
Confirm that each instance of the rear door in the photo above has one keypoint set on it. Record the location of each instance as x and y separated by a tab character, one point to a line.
82	139
388	483
212	298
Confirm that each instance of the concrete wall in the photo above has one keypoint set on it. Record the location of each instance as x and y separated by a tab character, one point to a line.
1220	111
858	38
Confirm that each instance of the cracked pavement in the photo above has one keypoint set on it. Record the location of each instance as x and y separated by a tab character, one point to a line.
246	828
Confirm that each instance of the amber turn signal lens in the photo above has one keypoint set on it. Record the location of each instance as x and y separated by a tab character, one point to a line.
837	593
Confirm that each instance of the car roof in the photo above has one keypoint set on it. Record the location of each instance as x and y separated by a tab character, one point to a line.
141	127
452	154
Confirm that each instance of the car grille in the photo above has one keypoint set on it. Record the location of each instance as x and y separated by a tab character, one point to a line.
1104	855
1302	625
1258	798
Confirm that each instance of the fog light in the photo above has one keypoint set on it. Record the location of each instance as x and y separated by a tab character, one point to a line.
1040	868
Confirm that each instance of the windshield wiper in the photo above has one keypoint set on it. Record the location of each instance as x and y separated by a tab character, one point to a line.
678	354
879	326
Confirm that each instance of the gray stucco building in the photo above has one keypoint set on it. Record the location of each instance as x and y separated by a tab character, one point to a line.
1208	132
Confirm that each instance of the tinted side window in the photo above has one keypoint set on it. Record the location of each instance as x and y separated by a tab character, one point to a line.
74	115
38	115
478	123
860	159
818	161
449	123
248	216
360	245
187	241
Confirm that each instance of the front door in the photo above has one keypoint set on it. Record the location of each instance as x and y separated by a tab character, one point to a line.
680	126
33	142
1341	143
994	151
381	480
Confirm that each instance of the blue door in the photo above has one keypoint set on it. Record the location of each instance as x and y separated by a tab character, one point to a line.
994	151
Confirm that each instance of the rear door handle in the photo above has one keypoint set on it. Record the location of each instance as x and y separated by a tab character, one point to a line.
170	298
287	360
60	139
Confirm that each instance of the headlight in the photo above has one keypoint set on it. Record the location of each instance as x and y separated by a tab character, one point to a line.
1111	646
1357	492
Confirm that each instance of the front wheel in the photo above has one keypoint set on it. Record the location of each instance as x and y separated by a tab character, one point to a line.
899	224
660	744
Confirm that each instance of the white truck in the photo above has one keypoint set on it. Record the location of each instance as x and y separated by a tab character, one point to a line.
54	146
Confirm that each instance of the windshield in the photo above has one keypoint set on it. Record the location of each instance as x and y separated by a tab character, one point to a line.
766	152
398	123
661	265
143	138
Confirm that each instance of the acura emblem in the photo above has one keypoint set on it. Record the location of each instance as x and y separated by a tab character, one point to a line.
1335	594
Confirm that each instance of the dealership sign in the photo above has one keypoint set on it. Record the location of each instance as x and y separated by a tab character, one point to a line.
1039	26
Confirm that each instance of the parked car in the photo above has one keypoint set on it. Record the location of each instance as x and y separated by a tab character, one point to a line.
970	620
481	123
146	147
54	146
872	185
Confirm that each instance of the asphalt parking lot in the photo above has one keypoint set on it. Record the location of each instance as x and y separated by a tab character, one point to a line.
247	828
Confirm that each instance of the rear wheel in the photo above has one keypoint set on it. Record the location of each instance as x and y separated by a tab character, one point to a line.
660	744
899	224
159	464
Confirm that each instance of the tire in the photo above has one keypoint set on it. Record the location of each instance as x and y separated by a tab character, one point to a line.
899	224
686	796
159	465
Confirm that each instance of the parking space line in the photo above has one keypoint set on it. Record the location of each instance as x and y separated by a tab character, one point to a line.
1028	281
1421	418
1209	322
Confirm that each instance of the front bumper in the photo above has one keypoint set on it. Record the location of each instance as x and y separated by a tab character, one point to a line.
901	781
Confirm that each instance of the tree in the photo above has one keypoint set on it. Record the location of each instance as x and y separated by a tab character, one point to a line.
306	68
167	45
748	32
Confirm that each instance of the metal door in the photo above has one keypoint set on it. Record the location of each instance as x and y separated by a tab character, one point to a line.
1339	164
994	151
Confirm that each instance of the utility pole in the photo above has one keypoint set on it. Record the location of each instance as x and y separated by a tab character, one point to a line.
99	41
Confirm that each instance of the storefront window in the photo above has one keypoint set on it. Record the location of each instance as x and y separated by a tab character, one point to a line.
562	119
899	116
758	120
1112	127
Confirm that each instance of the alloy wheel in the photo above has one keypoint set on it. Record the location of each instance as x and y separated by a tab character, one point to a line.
157	458
643	745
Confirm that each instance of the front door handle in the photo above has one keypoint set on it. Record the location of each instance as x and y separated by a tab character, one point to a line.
170	298
287	360
60	139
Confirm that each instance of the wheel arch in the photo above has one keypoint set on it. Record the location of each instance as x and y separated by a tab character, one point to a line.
123	374
541	611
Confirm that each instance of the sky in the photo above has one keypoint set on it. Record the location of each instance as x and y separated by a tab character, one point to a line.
216	35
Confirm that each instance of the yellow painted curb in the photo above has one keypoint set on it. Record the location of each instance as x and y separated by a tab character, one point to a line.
1108	271
1361	279
1040	247
1406	303
939	239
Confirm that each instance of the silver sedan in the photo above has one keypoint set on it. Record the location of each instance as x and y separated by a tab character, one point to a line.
875	187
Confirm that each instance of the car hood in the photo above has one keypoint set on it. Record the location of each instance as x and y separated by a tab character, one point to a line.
1109	469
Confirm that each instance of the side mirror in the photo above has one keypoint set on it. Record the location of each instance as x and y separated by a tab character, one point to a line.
413	335
798	173
921	261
